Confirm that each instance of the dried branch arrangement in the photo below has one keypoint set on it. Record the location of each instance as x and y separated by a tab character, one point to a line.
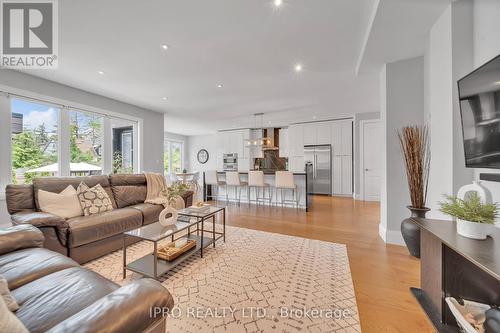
414	141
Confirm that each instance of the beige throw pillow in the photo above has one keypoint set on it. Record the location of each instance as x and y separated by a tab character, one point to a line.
93	200
6	296
8	321
64	204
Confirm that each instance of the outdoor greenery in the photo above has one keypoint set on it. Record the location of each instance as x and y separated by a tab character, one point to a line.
118	164
172	151
30	150
470	209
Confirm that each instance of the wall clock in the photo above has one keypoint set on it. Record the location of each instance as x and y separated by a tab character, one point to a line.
202	156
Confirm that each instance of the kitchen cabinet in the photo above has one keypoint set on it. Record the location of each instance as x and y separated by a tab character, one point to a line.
283	148
346	137
317	133
323	133
309	133
296	140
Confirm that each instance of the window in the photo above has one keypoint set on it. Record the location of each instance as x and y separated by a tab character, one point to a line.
34	141
173	157
48	140
85	143
123	146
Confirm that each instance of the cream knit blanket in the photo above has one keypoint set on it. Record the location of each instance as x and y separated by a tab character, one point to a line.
155	183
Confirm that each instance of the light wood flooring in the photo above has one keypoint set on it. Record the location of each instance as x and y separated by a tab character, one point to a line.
381	273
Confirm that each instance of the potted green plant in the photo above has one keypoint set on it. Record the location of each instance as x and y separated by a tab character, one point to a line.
414	143
172	194
475	219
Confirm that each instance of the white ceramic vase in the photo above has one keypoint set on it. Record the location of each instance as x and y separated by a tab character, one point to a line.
474	230
166	221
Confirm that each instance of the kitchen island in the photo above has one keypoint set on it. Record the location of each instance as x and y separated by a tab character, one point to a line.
300	178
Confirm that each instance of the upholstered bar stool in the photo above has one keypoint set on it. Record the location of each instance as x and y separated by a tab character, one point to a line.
285	183
233	180
212	179
256	181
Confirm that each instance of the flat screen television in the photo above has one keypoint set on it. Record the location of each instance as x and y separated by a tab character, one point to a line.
479	94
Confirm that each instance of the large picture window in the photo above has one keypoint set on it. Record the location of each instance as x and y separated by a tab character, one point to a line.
48	140
173	156
34	140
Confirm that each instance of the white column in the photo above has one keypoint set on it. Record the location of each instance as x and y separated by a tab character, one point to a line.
5	143
64	143
107	147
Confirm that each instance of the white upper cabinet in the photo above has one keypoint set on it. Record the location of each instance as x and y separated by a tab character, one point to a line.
323	133
296	140
346	137
336	132
309	134
283	137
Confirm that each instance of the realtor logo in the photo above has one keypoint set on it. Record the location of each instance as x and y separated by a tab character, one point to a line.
29	34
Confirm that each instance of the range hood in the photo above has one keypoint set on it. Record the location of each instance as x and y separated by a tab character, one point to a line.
272	139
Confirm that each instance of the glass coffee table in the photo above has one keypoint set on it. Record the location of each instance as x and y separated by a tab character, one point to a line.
191	220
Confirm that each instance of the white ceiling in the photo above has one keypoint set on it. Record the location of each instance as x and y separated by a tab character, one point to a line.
246	45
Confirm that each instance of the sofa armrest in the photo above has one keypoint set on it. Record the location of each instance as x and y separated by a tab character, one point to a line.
19	237
41	220
127	309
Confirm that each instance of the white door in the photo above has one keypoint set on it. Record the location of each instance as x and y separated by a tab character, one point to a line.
370	160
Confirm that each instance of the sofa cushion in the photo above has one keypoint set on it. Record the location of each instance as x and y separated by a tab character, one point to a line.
128	189
57	184
93	200
19	198
87	229
46	302
24	266
64	204
150	212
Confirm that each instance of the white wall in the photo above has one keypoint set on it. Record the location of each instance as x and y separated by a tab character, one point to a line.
151	149
358	117
197	142
448	58
402	103
486	15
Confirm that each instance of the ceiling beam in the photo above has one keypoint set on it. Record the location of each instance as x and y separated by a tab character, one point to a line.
371	20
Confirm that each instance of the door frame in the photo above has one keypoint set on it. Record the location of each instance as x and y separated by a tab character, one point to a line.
362	124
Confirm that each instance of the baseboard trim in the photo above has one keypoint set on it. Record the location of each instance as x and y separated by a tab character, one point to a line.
393	237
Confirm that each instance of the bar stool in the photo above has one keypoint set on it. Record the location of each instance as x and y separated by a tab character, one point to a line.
256	181
233	179
284	182
212	179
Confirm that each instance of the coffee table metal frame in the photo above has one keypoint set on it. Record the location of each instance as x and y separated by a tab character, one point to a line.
150	265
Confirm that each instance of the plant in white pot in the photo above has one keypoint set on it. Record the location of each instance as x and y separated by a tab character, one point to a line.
173	196
475	219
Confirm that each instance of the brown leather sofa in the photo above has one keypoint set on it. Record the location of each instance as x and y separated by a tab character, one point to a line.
84	238
55	294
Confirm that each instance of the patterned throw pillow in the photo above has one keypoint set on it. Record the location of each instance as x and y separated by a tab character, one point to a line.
93	200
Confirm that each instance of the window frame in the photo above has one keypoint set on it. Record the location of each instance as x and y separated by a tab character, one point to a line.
64	106
167	142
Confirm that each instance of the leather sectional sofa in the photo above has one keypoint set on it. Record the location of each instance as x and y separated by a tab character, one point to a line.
56	295
84	238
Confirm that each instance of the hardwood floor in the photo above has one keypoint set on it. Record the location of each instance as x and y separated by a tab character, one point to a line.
381	273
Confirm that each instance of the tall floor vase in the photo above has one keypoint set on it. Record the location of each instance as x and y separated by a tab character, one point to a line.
411	232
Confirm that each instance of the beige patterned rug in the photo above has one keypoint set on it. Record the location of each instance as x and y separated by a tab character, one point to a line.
255	282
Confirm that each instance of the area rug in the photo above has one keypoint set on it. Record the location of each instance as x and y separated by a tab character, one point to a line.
255	282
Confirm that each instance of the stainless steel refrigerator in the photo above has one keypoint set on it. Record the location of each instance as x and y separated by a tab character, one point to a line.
320	157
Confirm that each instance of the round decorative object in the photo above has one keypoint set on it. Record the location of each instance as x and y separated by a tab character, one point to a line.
166	221
203	156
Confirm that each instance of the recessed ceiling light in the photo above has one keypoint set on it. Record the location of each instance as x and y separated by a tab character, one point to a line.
497	83
164	98
298	68
164	46
278	3
101	72
220	85
314	117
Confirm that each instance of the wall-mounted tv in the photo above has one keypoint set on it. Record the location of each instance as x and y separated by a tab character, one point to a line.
479	94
